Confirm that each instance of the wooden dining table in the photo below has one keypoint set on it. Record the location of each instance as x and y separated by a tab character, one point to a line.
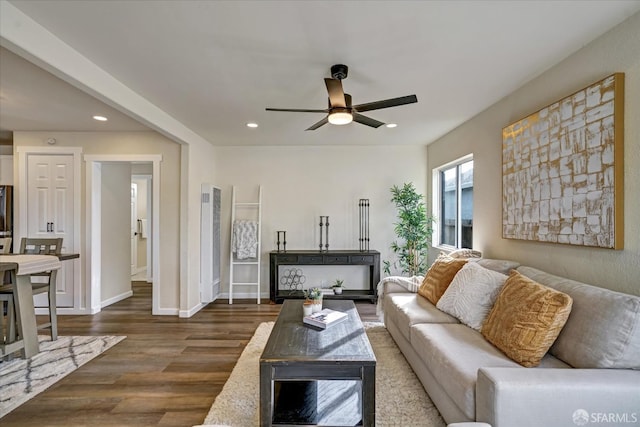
20	268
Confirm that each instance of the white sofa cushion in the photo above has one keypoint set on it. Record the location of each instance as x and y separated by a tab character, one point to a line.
455	352
471	294
603	329
503	266
406	310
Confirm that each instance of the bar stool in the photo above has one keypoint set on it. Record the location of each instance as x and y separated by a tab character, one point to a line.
6	299
5	245
47	246
8	326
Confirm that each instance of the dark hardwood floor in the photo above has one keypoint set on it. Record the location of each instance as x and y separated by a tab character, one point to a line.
166	373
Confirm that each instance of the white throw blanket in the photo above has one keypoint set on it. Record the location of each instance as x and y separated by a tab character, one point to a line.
409	283
245	239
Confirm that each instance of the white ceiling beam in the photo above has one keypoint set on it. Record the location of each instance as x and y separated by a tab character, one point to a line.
25	37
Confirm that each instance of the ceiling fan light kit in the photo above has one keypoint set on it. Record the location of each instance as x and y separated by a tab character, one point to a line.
340	117
340	111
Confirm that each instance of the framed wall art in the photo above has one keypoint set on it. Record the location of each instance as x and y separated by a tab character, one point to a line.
562	170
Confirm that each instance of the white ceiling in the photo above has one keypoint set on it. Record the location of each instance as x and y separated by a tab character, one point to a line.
216	65
34	99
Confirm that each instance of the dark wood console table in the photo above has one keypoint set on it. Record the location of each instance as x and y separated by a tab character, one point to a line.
340	257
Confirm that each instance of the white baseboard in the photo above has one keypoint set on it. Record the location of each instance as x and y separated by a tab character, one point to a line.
140	270
116	299
192	311
167	312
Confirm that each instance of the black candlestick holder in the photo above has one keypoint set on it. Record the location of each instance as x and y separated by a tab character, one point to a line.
363	206
284	240
324	221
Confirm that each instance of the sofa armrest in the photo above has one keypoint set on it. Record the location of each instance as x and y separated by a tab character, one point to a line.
395	284
553	397
392	288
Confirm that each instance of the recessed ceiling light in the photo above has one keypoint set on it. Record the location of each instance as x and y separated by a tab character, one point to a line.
100	118
391	125
252	125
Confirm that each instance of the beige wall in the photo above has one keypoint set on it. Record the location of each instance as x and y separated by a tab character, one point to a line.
302	183
198	163
6	169
133	143
116	222
616	51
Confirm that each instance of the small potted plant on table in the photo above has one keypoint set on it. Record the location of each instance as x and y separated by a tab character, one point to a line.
314	295
337	286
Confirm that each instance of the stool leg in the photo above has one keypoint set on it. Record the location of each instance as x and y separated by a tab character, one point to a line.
8	327
5	334
53	313
11	321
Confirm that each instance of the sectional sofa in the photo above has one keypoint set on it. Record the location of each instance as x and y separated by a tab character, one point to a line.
590	374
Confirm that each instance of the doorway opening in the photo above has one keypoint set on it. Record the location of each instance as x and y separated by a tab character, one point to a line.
113	229
141	209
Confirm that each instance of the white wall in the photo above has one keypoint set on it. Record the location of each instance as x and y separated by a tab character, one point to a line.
134	143
116	225
616	51
198	166
302	183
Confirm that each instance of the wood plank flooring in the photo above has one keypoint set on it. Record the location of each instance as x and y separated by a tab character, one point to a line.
166	373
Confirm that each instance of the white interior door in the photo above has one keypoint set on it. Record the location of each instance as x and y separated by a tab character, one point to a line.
134	228
50	214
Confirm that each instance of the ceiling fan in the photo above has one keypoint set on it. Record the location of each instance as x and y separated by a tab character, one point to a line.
341	111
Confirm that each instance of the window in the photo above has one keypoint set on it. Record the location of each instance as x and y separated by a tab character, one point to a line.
453	204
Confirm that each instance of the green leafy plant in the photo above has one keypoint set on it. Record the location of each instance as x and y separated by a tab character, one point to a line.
414	229
337	283
312	293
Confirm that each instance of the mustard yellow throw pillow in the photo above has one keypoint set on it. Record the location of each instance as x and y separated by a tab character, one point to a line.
526	319
439	276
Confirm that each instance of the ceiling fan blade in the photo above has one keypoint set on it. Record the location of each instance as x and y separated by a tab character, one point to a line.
297	110
320	123
366	120
393	102
336	94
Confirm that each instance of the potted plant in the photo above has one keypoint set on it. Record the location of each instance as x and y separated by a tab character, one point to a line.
315	296
414	229
337	286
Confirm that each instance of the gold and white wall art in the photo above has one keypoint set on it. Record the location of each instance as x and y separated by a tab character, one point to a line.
562	170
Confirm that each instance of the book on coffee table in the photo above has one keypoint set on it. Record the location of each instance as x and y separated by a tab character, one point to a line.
324	318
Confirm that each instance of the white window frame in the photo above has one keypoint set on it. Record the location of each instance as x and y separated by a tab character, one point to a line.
437	205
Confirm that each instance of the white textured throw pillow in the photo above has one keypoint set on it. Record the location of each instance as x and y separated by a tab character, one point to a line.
471	294
465	253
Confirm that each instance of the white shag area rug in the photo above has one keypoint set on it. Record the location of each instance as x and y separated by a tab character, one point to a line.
22	379
400	398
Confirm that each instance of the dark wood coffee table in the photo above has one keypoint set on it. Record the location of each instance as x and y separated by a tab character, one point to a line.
300	366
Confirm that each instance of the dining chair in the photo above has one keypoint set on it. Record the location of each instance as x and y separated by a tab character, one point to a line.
45	246
7	313
5	245
7	326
